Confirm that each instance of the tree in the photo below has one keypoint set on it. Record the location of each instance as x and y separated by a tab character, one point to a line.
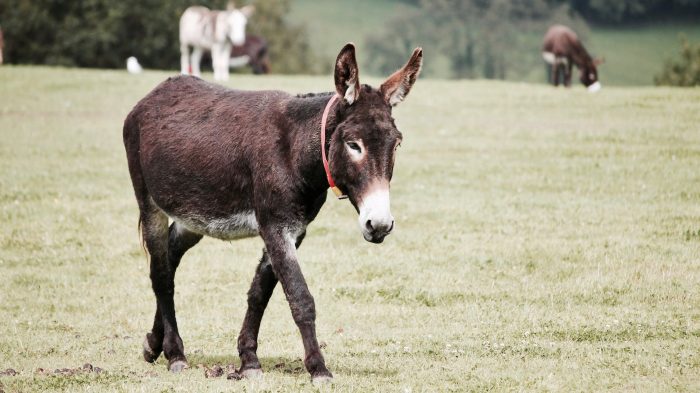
103	33
683	71
476	38
290	51
627	10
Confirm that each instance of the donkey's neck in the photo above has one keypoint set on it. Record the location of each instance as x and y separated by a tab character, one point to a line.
581	57
305	112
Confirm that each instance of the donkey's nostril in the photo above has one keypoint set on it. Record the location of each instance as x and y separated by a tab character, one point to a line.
391	227
369	226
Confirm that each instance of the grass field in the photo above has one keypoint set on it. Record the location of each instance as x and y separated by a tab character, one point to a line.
547	240
633	53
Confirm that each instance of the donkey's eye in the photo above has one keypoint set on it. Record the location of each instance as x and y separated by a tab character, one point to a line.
354	146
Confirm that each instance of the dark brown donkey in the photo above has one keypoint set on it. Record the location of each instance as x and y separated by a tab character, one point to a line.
254	52
561	50
232	164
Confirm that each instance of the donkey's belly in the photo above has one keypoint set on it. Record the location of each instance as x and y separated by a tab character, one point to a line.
232	227
551	58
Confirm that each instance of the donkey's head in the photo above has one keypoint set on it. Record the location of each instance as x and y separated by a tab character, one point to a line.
589	74
236	20
363	146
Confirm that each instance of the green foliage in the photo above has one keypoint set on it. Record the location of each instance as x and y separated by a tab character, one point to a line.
683	71
477	39
625	10
290	51
103	33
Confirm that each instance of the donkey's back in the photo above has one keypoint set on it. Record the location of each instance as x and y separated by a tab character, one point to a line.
560	40
192	146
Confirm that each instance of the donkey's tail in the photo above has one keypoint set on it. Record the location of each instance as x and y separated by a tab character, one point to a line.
132	141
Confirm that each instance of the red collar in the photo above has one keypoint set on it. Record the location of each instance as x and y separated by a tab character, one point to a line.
331	183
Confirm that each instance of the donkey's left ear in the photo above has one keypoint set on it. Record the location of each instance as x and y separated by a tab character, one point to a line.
347	79
248	10
397	86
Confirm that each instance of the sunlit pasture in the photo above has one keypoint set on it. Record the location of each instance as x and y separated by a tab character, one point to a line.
546	240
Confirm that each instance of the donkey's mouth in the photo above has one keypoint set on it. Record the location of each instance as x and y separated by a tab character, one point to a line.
374	238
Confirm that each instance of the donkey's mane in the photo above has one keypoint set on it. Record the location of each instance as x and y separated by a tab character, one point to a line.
312	95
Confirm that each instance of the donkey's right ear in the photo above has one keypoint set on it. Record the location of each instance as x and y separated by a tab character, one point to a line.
347	79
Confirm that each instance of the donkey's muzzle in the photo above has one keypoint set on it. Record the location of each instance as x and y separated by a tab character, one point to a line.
375	218
377	231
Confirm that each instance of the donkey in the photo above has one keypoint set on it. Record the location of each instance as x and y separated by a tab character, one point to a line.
204	29
254	52
232	164
561	50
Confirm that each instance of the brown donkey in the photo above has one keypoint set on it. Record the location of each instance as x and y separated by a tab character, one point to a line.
232	164
561	49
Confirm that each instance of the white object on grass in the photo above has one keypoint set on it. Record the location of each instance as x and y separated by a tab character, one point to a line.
133	66
594	87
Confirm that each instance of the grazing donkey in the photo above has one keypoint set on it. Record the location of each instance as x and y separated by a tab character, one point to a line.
561	50
254	52
231	164
204	29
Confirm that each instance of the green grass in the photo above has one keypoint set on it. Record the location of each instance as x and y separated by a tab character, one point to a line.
333	23
547	240
633	53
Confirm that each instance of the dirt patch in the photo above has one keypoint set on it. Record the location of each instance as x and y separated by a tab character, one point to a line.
86	369
217	371
8	373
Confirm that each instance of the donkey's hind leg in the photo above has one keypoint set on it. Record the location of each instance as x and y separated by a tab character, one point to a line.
179	241
164	336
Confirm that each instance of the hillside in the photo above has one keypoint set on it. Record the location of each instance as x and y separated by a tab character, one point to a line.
633	53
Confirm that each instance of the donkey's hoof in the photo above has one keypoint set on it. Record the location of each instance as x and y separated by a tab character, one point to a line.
322	379
177	366
252	373
149	354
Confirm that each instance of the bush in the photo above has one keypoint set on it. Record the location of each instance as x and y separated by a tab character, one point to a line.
103	33
683	71
473	38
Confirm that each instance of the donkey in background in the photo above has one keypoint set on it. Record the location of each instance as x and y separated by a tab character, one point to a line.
231	164
215	31
254	52
562	49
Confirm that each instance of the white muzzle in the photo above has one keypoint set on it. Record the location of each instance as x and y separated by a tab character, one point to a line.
375	218
594	88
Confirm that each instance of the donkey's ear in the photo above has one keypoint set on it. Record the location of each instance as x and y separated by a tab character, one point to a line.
347	80
397	86
231	5
248	10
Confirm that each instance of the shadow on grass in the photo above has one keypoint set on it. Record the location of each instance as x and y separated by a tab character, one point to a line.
290	366
284	365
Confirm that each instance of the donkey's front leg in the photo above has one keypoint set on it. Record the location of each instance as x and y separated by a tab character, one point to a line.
280	243
259	294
